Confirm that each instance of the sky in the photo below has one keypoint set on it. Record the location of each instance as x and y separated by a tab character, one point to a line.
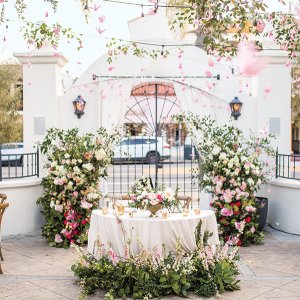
69	14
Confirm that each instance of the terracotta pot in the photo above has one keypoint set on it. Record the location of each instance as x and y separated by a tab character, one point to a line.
154	209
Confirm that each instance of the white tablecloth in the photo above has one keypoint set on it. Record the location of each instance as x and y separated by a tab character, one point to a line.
149	232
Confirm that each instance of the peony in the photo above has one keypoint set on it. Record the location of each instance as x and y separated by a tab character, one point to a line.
76	169
226	212
86	205
58	181
222	156
169	193
88	166
216	150
151	196
153	202
59	208
250	209
58	239
100	154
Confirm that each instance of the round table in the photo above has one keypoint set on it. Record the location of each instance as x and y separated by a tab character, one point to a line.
149	232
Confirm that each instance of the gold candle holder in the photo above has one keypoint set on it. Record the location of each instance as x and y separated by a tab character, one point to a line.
104	210
186	212
197	211
121	210
164	215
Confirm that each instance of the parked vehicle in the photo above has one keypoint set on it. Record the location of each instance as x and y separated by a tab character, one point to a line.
142	148
12	153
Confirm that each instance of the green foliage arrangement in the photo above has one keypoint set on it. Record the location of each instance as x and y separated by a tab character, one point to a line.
206	271
233	167
76	163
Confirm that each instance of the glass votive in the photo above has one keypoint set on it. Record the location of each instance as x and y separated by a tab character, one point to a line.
121	210
186	212
164	214
197	211
130	213
104	210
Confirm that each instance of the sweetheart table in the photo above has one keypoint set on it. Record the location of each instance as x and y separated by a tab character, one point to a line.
149	232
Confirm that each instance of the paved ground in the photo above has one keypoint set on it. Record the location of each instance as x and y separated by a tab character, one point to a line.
35	271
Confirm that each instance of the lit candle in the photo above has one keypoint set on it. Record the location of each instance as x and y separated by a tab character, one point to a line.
121	210
197	211
104	210
186	212
164	214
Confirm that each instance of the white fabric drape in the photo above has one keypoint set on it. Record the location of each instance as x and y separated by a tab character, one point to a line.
114	97
149	232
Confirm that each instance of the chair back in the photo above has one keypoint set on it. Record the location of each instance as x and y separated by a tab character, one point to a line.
3	197
186	200
3	206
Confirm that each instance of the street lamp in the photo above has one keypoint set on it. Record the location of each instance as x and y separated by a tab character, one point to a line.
236	107
79	105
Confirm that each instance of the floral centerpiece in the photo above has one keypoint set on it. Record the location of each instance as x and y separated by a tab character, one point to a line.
233	167
144	196
75	164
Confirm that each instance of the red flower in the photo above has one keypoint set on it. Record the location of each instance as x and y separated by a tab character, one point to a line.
72	241
232	204
65	222
239	243
159	197
248	219
83	222
238	204
236	212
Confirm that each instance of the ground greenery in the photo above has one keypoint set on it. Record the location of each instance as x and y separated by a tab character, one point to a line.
207	271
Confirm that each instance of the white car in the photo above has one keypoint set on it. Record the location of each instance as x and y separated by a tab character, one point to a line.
142	148
12	153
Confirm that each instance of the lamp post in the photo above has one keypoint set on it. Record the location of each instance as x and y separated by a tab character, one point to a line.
236	107
79	105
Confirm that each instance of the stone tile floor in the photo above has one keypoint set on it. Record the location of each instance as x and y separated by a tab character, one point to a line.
33	270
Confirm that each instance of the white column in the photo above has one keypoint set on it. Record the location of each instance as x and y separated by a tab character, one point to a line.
42	85
275	109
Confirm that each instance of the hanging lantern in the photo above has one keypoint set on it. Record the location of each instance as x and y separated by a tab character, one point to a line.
236	107
79	105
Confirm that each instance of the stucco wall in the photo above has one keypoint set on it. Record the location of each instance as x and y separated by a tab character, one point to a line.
23	215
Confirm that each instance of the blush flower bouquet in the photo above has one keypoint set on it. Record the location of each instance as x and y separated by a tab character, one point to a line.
233	168
144	196
75	164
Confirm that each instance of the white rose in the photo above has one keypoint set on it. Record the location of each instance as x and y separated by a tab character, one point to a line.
222	156
76	169
52	204
88	166
100	154
216	150
67	155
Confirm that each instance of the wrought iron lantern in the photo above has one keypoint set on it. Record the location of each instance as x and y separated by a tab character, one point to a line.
79	105
236	107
